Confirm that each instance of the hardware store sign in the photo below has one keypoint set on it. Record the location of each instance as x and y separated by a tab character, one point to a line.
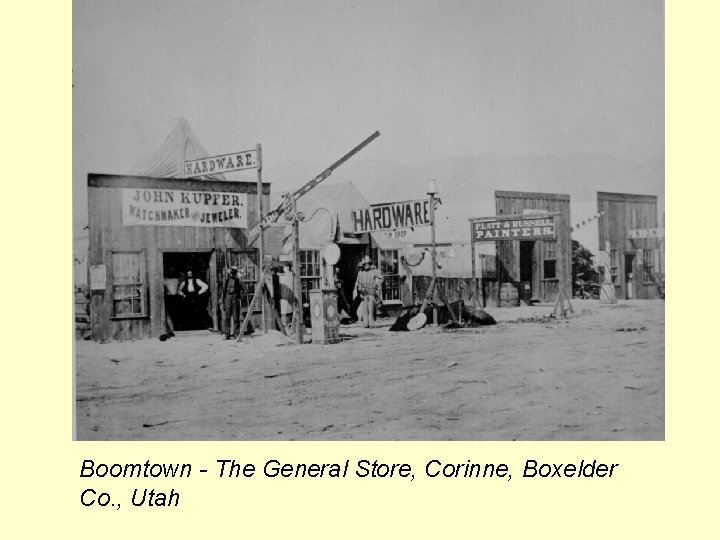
238	161
180	208
499	229
390	216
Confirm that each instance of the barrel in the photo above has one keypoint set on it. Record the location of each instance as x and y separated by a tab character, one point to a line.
509	295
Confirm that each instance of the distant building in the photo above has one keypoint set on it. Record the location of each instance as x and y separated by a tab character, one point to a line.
537	268
629	233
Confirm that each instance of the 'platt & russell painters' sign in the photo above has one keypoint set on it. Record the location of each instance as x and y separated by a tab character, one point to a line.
389	216
180	208
515	228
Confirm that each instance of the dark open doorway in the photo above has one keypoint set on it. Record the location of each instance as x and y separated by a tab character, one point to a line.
629	276
347	266
188	308
526	271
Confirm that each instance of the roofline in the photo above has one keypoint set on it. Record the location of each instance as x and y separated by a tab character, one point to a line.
532	195
625	197
152	182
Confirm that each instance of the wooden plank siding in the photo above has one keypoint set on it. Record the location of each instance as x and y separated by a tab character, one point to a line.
508	253
622	212
107	235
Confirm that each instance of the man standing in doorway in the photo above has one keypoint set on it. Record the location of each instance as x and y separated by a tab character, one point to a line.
193	290
230	298
368	280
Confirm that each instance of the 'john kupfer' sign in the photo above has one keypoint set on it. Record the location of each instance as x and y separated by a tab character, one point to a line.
179	208
515	228
386	217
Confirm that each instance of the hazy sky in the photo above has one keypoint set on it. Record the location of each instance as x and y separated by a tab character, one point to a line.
310	79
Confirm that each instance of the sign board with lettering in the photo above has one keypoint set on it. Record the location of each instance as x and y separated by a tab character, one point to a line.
237	161
524	227
637	234
98	277
180	208
391	216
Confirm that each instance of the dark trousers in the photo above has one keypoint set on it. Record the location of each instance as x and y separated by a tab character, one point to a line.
231	304
171	309
344	304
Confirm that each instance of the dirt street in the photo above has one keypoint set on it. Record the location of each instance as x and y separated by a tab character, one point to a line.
598	375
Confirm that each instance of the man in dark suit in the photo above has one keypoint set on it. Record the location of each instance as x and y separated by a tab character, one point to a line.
230	298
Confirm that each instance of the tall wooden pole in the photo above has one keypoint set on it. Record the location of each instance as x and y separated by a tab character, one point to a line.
261	240
476	301
297	285
434	254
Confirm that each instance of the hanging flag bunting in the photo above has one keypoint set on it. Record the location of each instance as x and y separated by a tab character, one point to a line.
586	221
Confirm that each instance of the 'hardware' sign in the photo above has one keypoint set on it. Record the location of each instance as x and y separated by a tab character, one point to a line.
514	228
180	208
386	217
221	164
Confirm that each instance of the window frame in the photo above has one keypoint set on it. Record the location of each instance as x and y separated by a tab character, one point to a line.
142	285
386	282
614	266
549	254
310	281
249	285
648	268
554	277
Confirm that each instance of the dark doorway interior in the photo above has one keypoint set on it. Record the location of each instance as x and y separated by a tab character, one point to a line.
526	271
191	311
350	256
526	261
629	276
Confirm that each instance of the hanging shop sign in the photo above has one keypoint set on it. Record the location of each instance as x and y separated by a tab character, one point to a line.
390	216
636	234
513	228
237	161
180	208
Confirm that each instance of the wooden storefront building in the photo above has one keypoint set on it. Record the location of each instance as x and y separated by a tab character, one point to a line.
143	230
628	232
535	269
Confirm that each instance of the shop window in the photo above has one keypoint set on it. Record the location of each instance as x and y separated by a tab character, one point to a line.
248	272
549	255
614	265
129	284
648	265
388	262
549	269
310	271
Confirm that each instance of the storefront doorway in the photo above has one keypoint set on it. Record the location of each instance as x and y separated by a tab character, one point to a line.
526	271
629	276
350	256
191	309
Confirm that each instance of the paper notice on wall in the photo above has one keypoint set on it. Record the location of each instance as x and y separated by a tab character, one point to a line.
98	277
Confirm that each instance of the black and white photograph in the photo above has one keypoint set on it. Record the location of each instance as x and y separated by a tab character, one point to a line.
333	220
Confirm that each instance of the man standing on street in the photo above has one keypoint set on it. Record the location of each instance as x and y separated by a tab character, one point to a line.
171	285
231	291
368	280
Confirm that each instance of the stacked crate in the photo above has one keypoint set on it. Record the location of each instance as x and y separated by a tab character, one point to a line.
82	312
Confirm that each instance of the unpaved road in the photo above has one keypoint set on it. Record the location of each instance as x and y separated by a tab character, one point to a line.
598	375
